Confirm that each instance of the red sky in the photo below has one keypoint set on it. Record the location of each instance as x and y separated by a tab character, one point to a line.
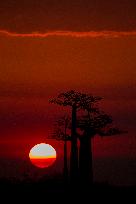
49	48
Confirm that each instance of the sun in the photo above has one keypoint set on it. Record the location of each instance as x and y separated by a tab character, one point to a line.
42	155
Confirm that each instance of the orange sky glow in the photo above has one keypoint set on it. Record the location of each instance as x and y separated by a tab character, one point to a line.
35	69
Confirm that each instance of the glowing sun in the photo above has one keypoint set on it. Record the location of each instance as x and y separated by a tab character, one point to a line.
42	155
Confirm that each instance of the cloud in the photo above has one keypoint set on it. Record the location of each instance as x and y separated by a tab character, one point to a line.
89	34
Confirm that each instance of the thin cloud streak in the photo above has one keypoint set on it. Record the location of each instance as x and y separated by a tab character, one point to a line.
90	34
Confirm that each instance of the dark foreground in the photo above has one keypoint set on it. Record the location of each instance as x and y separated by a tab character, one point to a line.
55	191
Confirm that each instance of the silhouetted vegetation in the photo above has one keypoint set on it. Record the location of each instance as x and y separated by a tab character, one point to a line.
60	133
92	122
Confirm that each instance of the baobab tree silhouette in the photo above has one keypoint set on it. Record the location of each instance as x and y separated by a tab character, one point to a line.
76	101
92	122
60	132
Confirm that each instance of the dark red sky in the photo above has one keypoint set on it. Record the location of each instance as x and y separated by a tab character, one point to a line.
78	15
47	47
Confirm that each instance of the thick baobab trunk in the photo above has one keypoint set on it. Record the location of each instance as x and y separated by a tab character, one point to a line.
85	160
74	150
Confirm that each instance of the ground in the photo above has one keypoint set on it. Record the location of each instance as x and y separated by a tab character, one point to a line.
54	191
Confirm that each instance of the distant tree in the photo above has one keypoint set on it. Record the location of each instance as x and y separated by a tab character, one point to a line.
60	132
76	101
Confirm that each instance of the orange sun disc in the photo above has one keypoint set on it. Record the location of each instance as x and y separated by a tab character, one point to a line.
42	155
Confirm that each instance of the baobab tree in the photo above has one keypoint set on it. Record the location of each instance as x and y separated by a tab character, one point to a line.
76	101
92	124
60	132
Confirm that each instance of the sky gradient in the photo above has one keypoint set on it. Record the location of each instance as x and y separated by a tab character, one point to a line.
48	47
